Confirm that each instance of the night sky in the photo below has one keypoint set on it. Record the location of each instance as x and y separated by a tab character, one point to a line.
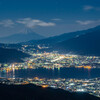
48	17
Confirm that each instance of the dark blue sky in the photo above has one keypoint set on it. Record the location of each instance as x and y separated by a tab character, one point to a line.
48	17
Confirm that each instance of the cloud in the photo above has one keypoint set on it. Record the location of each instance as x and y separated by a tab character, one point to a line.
85	22
89	7
31	23
56	19
7	23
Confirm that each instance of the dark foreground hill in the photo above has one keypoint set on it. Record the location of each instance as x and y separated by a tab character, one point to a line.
32	92
11	55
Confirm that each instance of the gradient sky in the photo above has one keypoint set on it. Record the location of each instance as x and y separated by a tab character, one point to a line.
48	17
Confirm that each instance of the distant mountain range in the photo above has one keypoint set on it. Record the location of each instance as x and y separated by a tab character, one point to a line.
84	42
21	37
56	39
11	55
33	92
87	44
61	38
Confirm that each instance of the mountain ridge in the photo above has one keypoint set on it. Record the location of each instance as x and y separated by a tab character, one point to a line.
21	37
33	92
62	37
87	44
11	55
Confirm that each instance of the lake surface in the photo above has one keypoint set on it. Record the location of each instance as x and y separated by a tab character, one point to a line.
78	73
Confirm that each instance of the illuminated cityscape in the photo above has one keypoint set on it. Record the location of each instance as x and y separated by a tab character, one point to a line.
51	61
91	86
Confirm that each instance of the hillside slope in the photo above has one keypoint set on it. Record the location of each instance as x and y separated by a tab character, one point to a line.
32	92
88	44
11	55
60	38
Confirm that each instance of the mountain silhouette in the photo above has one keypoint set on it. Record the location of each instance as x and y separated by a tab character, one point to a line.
60	38
87	44
21	37
11	55
33	92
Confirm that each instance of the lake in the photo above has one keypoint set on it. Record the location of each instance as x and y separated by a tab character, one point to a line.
79	73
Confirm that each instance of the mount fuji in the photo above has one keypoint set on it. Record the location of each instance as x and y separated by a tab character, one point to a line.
23	36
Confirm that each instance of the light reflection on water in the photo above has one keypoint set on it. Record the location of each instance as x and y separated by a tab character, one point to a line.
79	73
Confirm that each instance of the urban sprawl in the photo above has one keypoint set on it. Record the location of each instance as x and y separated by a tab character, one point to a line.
51	61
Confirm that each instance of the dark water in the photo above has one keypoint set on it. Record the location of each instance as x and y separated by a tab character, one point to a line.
56	73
